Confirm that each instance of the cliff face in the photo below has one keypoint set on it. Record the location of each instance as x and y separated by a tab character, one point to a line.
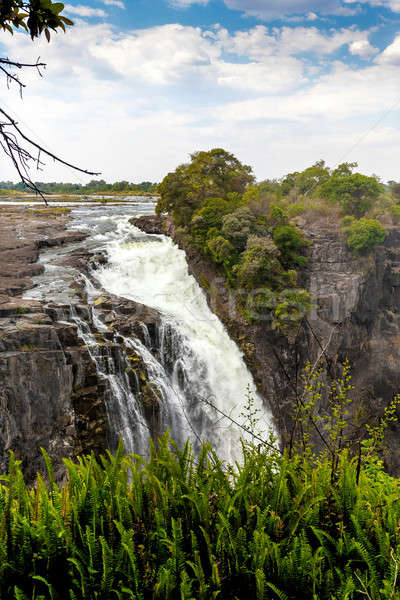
357	316
51	394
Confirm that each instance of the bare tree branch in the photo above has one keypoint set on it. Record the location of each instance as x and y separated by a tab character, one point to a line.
22	150
11	141
12	77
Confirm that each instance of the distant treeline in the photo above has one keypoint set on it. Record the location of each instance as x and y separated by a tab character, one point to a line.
94	186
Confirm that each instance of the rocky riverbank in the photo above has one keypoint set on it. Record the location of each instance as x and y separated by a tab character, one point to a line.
51	394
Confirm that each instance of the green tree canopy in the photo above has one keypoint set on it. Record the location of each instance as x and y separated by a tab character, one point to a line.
215	173
363	234
355	193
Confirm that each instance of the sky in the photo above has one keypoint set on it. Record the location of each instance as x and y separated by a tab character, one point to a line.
135	86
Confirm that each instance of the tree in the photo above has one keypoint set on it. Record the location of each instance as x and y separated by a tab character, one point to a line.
212	174
35	17
289	240
355	193
363	234
237	227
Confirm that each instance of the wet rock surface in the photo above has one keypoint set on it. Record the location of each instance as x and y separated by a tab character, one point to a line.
149	224
24	232
51	394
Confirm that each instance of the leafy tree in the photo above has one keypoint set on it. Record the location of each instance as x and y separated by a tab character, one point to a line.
310	179
291	307
290	240
344	169
35	16
206	218
259	265
215	173
354	193
288	183
363	234
221	250
307	181
237	227
277	215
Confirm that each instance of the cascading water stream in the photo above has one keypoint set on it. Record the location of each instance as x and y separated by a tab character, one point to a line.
192	363
198	364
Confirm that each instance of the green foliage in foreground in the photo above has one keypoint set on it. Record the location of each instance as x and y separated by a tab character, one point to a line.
181	529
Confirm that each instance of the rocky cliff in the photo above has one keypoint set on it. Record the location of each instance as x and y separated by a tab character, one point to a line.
51	394
356	317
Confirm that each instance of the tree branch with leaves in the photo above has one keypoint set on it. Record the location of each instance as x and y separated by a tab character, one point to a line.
35	17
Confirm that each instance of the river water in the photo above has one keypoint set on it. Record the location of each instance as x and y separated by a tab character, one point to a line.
203	381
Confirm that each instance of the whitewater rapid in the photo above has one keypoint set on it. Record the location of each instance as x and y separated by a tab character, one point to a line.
208	368
202	381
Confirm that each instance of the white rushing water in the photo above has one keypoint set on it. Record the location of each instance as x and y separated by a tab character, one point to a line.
200	374
205	365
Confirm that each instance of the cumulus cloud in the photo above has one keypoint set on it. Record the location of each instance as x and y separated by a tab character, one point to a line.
362	48
138	102
84	11
391	55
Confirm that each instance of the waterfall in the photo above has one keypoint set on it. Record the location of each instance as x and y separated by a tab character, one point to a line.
201	379
198	367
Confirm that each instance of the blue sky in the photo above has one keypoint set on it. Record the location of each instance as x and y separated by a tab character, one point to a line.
136	85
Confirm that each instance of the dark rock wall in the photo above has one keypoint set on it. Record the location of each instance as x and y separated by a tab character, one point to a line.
356	317
50	395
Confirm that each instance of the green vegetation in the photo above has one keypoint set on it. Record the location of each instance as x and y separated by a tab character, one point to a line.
289	524
35	16
213	174
96	186
354	193
251	230
363	234
240	227
179	528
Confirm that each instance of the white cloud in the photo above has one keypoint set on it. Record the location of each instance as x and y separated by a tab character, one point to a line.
393	5
362	48
84	11
117	3
391	55
134	104
186	3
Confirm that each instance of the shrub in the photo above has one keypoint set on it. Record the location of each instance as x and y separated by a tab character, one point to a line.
363	234
354	193
289	240
292	306
237	227
395	212
259	264
206	218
